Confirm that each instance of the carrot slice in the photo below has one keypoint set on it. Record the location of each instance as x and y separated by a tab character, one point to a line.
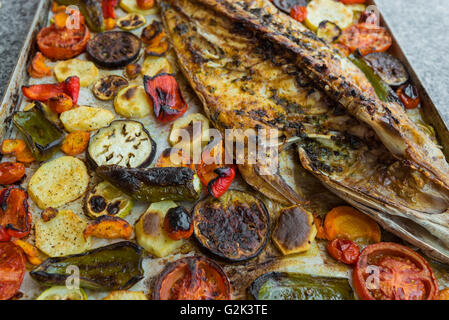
75	143
30	251
38	68
19	149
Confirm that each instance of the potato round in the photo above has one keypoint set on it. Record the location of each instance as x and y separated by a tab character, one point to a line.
133	102
154	65
86	118
85	70
58	182
320	10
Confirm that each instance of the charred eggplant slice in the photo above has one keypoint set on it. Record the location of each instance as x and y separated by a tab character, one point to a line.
234	227
328	31
131	21
154	184
178	278
105	199
114	267
123	142
290	286
286	5
390	69
114	49
106	88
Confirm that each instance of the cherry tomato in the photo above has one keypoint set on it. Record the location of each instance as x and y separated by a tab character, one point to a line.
178	224
390	271
298	13
11	172
343	250
366	37
409	96
12	269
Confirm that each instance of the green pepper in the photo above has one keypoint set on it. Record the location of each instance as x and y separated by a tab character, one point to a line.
290	286
153	184
42	136
91	10
114	267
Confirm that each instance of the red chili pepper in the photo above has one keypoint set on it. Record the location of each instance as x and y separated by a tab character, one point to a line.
108	8
15	216
343	250
298	13
164	91
43	92
218	186
409	96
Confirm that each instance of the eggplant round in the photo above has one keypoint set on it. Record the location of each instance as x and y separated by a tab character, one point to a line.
114	49
390	69
286	5
234	227
106	88
123	142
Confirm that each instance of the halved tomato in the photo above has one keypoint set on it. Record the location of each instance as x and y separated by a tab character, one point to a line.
390	271
192	278
12	269
366	37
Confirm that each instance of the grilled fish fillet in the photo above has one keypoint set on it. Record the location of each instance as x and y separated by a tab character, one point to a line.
342	81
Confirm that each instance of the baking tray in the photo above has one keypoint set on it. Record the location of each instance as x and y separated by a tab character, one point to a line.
314	261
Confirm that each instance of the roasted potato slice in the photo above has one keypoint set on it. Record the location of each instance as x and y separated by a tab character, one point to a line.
86	118
153	65
85	70
133	102
320	10
189	132
126	295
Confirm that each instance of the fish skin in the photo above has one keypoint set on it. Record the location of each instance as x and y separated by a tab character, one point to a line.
343	82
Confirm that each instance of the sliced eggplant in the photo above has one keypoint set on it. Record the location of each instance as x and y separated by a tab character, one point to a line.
328	31
114	49
286	5
105	199
123	142
131	21
234	227
106	88
390	69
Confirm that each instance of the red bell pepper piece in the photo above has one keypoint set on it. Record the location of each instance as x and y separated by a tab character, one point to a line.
43	92
15	216
108	8
218	186
164	91
409	96
298	13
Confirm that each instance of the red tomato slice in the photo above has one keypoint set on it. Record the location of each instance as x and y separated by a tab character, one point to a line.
12	269
366	37
390	271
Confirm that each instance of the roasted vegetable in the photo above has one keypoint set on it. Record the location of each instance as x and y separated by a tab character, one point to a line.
15	216
38	68
18	149
298	13
164	91
328	31
60	103
43	92
126	295
62	293
123	142
294	231
12	269
409	96
106	88
108	6
172	157
42	136
150	232
153	65
58	182
114	49
131	21
158	49
91	10
189	132
152	33
75	143
132	6
108	227
344	250
145	4
105	199
86	71
287	5
133	70
31	252
235	227
290	286
321	10
192	278
109	24
154	184
60	233
113	267
390	69
367	38
178	223
132	102
86	118
11	172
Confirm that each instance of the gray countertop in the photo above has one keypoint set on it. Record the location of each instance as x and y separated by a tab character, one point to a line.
420	26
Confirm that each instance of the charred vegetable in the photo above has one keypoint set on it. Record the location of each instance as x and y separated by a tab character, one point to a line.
287	5
192	278
114	49
108	227
390	69
123	142
62	293
235	227
164	91
154	184
106	88
294	231
91	10
335	11
328	31
42	136
132	102
409	96
152	33
285	286
113	267
178	223
15	217
131	21
11	172
105	199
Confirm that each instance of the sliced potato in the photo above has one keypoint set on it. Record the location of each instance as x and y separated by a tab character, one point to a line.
189	131
62	235
131	6
86	118
85	70
126	295
150	232
153	65
133	102
58	182
131	21
320	10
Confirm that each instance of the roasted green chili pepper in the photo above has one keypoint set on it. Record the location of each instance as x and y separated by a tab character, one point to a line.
154	184
42	136
91	10
114	267
289	286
